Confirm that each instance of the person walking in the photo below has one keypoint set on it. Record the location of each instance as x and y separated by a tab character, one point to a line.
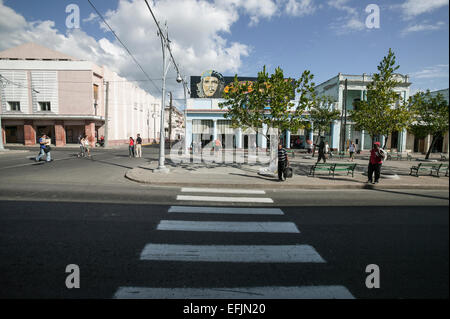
322	150
352	150
138	146
375	162
131	147
82	146
48	149
87	146
283	162
42	141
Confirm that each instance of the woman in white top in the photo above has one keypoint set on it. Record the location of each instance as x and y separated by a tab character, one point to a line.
352	149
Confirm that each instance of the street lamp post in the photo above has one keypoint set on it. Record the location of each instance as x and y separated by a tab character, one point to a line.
2	86
164	43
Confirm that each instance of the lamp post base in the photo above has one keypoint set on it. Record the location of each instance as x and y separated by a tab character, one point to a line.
162	169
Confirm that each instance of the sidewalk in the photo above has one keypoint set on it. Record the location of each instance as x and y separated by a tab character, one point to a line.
246	176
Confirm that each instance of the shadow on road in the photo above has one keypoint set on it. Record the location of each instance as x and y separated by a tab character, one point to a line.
412	194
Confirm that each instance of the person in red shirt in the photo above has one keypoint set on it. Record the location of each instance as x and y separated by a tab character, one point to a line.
131	147
375	162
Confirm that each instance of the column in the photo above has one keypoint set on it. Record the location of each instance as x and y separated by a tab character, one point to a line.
263	138
239	138
335	134
311	133
401	141
361	147
288	139
60	133
188	136
89	130
214	129
29	133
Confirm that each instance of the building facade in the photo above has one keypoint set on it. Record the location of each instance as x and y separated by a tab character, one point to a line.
175	118
47	92
347	97
421	145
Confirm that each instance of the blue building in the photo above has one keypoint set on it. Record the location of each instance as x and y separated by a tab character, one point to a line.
203	114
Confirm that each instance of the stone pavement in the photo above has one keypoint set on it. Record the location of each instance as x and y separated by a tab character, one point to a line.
246	175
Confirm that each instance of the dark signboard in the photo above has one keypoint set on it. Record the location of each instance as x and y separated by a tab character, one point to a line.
211	84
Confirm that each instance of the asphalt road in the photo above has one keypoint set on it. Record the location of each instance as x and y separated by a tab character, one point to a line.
84	212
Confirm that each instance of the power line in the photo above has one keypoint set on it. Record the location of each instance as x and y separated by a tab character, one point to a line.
168	46
118	39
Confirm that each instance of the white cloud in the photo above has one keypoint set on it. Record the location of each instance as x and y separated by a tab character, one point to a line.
432	72
196	29
422	27
91	17
300	8
413	8
255	9
348	23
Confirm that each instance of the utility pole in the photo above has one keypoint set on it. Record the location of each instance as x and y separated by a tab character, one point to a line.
106	114
1	111
165	46
170	120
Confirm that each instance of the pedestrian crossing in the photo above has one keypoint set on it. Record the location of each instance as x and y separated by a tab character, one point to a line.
236	254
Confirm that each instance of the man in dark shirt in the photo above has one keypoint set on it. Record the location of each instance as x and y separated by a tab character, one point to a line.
139	146
283	162
322	150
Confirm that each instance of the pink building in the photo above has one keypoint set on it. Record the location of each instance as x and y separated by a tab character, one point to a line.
48	92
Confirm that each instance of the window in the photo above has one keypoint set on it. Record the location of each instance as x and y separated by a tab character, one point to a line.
44	106
14	106
95	92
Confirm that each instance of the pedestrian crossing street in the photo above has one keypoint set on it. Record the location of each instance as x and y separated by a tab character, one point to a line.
250	253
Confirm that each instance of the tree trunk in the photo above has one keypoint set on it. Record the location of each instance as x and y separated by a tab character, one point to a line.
433	141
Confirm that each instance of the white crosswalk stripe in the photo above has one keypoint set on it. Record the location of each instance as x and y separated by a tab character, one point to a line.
233	253
225	210
224	199
222	190
272	292
250	227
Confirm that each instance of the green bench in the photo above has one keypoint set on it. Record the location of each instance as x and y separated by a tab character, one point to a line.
429	167
321	167
341	167
291	153
332	168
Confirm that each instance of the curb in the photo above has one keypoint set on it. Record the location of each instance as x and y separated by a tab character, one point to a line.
285	186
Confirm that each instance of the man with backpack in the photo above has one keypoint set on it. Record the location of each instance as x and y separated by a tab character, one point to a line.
376	160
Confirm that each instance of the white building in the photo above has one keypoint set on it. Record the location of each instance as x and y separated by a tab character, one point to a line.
357	91
48	92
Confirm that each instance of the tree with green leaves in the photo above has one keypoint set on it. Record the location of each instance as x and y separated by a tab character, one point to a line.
432	117
383	111
321	114
267	102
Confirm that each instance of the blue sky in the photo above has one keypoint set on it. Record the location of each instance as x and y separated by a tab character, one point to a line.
237	36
